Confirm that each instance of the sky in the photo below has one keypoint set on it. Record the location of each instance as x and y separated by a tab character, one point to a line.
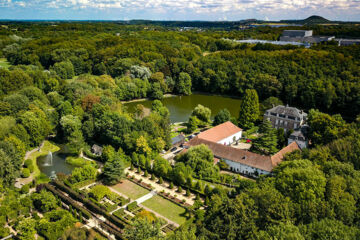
213	10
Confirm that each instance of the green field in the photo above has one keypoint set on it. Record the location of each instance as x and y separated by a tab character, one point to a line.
4	63
166	208
130	189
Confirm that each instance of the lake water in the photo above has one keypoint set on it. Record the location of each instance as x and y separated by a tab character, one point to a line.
57	165
180	107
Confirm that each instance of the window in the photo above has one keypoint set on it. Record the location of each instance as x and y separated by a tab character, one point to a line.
273	114
286	123
276	122
295	125
290	117
282	116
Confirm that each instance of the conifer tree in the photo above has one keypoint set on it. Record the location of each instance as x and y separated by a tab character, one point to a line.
249	109
266	143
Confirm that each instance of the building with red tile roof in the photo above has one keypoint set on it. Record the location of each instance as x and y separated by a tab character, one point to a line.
243	161
225	133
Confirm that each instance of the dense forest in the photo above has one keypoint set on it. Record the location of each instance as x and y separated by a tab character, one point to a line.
67	82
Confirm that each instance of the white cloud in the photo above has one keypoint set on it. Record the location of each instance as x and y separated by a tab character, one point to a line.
197	7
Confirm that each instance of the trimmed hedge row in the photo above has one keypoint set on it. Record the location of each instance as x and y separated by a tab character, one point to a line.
132	206
192	188
90	205
68	200
83	183
110	229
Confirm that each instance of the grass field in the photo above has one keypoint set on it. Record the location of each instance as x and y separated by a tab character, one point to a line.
166	208
48	146
130	189
4	63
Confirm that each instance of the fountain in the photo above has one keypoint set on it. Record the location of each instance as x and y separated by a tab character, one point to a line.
54	162
49	160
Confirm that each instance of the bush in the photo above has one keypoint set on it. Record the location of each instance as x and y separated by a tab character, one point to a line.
28	163
98	192
197	197
187	192
171	185
31	168
76	161
179	189
146	174
152	177
161	181
25	189
132	206
25	173
119	213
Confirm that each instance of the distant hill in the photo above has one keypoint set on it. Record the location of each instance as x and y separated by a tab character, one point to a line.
310	20
316	20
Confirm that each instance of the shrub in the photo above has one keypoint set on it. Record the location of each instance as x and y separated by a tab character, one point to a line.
28	163
25	189
171	185
207	201
197	197
198	186
31	168
146	174
187	192
76	161
119	213
161	181
25	173
179	189
152	177
132	206
99	192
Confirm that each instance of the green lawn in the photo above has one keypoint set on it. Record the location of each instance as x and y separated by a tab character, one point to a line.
79	161
48	146
166	208
4	63
130	189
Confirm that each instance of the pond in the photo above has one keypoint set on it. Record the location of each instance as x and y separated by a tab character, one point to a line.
180	107
54	163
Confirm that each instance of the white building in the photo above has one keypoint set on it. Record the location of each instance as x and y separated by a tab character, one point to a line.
299	136
225	133
241	161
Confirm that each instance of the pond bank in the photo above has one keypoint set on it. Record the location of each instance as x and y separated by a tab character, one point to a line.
148	99
180	107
